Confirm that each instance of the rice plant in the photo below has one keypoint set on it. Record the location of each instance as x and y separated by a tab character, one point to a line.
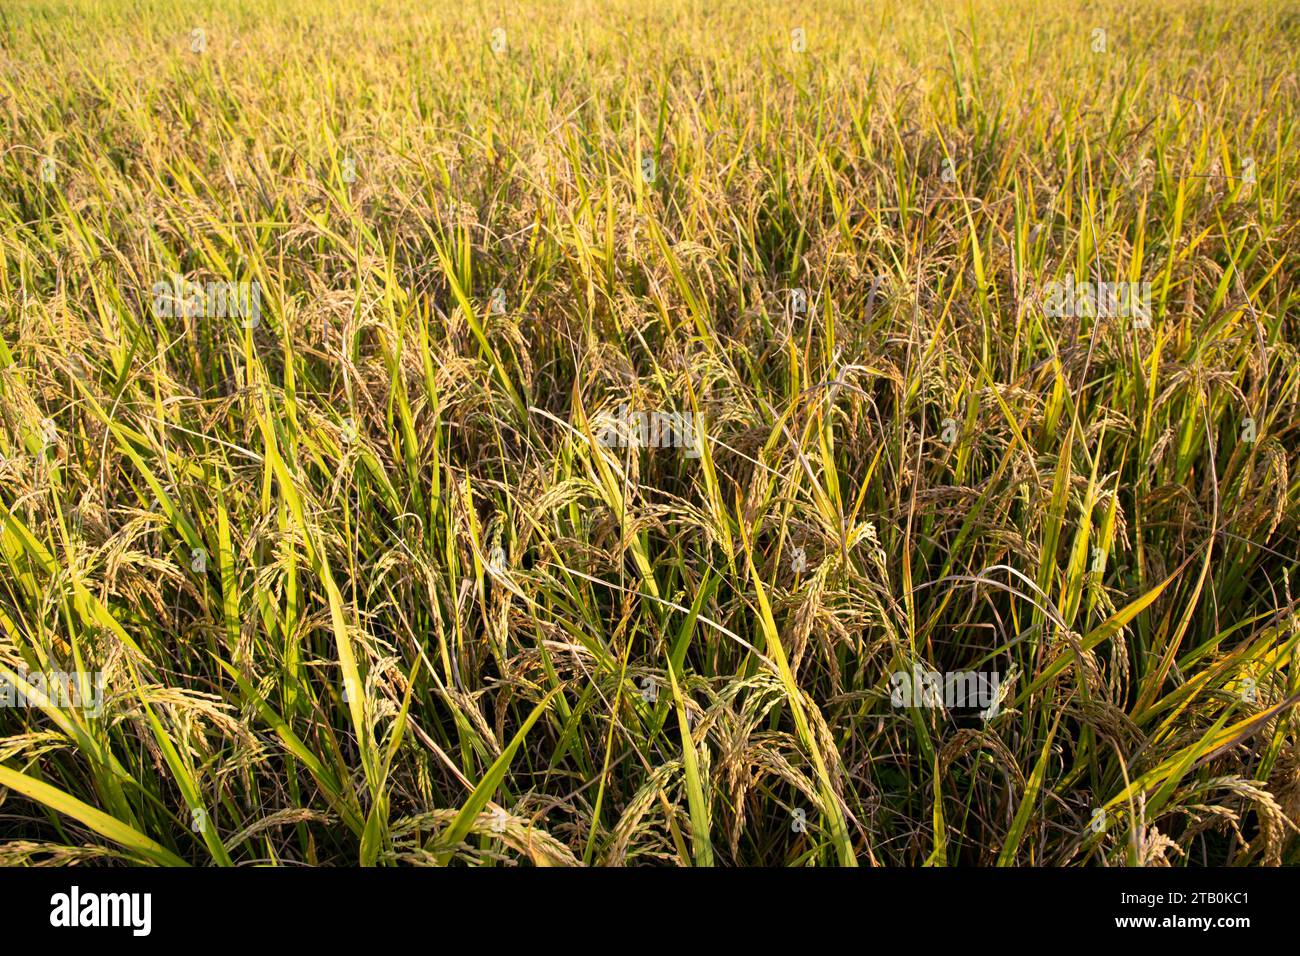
608	433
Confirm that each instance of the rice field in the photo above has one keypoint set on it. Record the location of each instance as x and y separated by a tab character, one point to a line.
573	433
